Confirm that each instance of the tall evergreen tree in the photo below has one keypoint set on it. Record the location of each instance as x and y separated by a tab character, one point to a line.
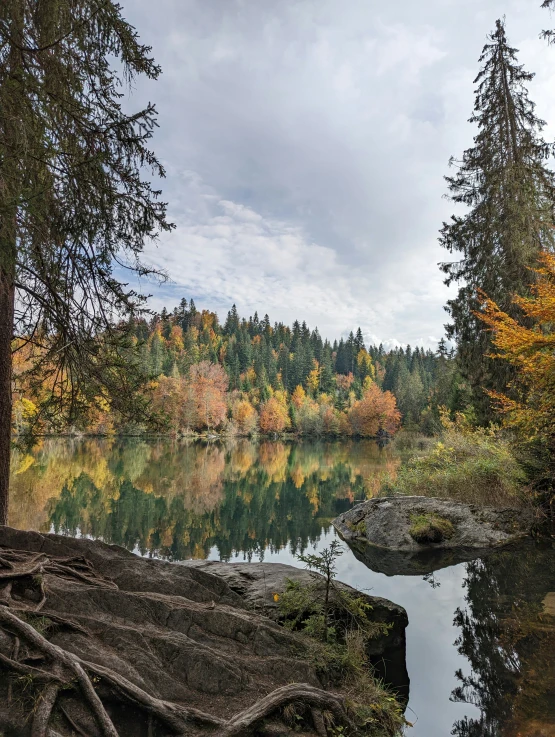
72	198
549	35
504	181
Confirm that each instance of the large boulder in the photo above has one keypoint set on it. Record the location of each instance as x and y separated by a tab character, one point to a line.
257	583
173	649
415	535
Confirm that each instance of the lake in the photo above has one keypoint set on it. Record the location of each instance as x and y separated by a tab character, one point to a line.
481	635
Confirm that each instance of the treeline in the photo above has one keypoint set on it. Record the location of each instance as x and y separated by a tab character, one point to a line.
249	375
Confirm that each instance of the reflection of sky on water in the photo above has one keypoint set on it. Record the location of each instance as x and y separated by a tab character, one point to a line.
432	658
179	500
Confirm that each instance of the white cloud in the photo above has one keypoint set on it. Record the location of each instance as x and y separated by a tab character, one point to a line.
306	143
222	253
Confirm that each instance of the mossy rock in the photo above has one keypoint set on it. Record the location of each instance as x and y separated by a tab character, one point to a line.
430	528
359	527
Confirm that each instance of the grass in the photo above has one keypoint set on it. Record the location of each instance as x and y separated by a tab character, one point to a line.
430	528
474	465
359	528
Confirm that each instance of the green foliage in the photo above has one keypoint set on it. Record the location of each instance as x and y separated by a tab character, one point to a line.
337	622
76	200
261	361
430	528
506	186
467	464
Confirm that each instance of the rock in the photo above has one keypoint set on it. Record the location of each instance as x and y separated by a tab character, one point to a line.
256	584
415	535
183	634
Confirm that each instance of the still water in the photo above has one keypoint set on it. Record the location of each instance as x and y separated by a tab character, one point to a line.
481	635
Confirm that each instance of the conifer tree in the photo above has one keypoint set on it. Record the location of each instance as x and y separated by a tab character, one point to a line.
549	35
72	198
505	182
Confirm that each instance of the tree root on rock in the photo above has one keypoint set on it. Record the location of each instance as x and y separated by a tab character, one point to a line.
61	668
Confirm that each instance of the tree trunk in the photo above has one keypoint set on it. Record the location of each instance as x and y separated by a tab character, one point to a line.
10	184
7	292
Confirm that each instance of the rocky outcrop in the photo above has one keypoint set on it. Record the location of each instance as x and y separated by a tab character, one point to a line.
256	584
414	535
170	649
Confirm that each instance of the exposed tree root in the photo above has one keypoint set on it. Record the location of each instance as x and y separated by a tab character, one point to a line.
245	721
14	624
43	710
60	668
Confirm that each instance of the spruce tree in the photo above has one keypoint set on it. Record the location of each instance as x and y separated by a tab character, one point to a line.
508	189
549	35
72	199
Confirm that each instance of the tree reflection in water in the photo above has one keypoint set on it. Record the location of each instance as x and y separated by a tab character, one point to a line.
178	500
508	635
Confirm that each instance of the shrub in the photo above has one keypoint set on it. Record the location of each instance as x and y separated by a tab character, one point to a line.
336	620
467	464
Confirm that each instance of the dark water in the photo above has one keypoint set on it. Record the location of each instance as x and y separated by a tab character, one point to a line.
481	638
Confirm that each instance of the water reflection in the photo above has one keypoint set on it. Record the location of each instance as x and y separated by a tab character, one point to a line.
245	499
508	636
178	500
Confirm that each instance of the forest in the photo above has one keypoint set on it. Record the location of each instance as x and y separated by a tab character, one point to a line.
93	637
249	376
82	351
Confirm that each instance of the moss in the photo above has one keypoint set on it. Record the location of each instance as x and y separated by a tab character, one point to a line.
359	527
430	528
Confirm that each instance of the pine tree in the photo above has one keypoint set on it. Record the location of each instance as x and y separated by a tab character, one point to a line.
232	321
504	181
72	198
549	35
359	341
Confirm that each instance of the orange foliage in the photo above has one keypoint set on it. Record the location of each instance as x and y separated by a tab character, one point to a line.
273	416
376	411
531	350
195	402
244	414
175	341
208	388
298	396
344	382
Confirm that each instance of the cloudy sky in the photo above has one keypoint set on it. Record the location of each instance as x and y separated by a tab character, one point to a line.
305	143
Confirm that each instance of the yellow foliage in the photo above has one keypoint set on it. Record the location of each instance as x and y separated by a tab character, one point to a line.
313	380
25	463
529	345
365	364
298	396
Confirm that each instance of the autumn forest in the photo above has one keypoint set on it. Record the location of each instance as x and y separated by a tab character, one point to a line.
249	376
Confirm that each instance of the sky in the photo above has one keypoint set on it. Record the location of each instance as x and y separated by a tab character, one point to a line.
305	143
